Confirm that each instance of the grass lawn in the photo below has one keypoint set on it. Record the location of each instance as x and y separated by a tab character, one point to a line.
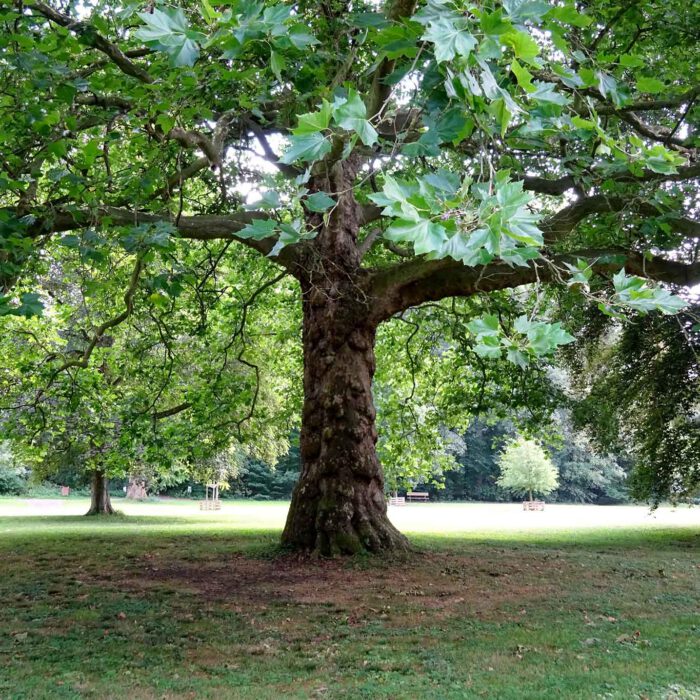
168	602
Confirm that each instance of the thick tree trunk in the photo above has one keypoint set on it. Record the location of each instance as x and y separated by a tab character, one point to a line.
101	503
338	506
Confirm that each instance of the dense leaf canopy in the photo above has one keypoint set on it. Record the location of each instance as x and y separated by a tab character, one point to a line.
170	172
526	469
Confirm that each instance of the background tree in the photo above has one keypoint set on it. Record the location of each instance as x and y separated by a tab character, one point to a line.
587	472
428	151
526	469
11	473
638	391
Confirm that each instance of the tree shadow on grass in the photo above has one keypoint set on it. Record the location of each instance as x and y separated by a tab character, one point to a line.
260	541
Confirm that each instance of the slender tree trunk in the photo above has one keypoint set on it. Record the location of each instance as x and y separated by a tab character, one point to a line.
338	505
136	490
101	503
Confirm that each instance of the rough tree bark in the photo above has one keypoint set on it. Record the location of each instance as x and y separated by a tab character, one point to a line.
338	505
100	502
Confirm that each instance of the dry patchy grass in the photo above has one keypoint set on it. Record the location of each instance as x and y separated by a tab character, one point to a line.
96	612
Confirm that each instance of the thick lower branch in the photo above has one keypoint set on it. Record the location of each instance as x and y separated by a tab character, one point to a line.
200	228
559	225
415	282
556	187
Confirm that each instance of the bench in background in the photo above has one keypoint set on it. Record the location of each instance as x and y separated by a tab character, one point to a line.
422	496
533	505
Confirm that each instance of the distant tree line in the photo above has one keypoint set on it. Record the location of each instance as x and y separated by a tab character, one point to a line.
585	476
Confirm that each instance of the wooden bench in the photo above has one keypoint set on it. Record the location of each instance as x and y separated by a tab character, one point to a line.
210	505
533	505
422	496
397	501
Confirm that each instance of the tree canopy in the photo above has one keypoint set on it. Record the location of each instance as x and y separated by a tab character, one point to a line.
526	469
183	187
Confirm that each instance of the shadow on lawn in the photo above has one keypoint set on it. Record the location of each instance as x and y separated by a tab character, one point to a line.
182	607
265	539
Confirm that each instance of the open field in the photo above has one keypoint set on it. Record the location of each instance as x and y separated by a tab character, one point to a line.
575	602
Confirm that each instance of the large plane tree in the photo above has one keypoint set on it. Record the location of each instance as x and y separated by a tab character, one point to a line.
383	156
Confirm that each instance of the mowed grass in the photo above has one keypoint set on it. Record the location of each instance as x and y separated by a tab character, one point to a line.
168	602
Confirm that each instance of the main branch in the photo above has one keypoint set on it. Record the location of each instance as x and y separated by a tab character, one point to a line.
199	228
418	281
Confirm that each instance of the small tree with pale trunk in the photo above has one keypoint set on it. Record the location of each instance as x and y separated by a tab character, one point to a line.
526	469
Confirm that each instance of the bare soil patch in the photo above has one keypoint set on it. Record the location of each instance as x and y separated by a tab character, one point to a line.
436	584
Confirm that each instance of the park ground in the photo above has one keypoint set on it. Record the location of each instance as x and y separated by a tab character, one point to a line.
170	602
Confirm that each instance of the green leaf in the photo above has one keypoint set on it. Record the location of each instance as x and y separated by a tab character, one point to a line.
493	91
523	45
306	147
546	92
449	40
569	77
493	24
425	235
506	214
351	113
500	111
300	36
159	300
288	235
66	92
185	53
651	86
366	20
661	160
581	123
208	12
629	61
489	349
70	241
466	249
570	15
523	76
314	121
398	41
517	357
146	237
427	145
543	338
581	273
523	10
319	202
636	293
167	30
277	64
608	87
259	229
487	325
269	200
454	126
30	306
